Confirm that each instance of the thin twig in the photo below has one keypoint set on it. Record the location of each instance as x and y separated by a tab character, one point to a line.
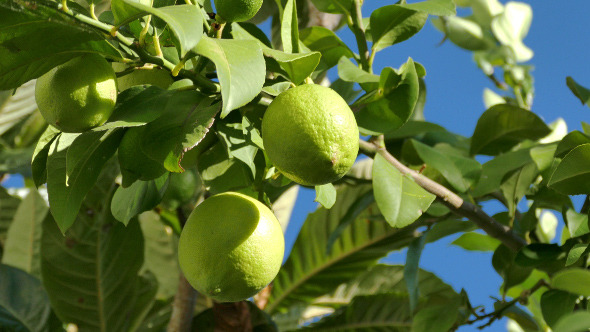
452	200
355	22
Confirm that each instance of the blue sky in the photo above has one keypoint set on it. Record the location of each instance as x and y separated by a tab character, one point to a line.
560	38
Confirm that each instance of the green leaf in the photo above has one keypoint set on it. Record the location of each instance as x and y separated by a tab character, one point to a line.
359	246
238	139
160	255
8	206
461	172
137	106
579	91
575	253
297	67
122	10
23	298
516	184
21	249
494	171
388	279
351	215
468	35
139	197
436	318
65	198
91	273
15	106
574	322
448	227
556	304
349	72
392	104
393	24
503	126
543	256
399	198
325	195
36	37
411	269
518	315
571	141
574	280
476	242
383	312
577	223
168	138
221	173
326	42
240	68
512	273
289	28
185	21
573	173
433	7
333	6
542	155
511	26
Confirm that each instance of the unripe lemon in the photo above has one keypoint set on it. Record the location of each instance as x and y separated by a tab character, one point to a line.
135	165
231	247
237	10
77	95
181	188
310	134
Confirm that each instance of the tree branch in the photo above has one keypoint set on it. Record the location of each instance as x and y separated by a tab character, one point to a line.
452	200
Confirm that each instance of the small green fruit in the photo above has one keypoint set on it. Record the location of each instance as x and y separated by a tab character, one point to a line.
237	10
135	165
77	95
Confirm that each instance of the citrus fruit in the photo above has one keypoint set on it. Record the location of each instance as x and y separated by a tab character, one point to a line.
135	165
181	188
77	95
157	77
231	247
237	10
310	134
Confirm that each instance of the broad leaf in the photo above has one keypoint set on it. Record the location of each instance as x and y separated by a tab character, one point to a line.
100	287
297	67
67	193
399	198
326	42
574	280
25	302
349	72
573	173
169	137
8	206
495	170
411	269
461	172
16	107
160	254
574	322
289	28
516	184
240	68
577	223
433	7
392	104
384	312
23	239
36	37
139	197
393	24
476	242
511	26
221	173
503	126
512	273
556	304
325	195
436	318
579	91
333	6
185	21
575	253
571	141
359	246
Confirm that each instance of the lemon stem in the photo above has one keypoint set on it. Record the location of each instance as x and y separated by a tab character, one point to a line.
355	22
64	6
219	31
144	31
91	10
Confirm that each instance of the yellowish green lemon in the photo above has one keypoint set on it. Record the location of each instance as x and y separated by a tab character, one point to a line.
237	10
231	247
181	188
134	163
310	134
77	95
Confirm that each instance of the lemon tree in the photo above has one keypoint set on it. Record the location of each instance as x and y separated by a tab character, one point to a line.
163	145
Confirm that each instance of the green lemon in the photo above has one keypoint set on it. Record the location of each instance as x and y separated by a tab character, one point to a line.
237	10
157	77
310	134
231	247
135	165
77	95
181	188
